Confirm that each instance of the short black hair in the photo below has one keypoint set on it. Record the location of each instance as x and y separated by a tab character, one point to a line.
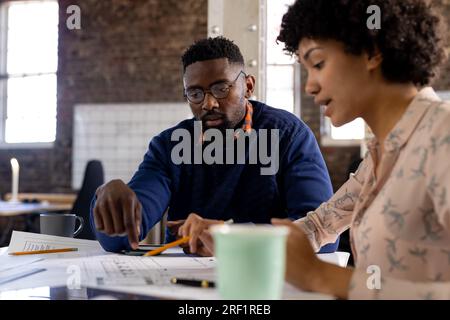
212	48
411	38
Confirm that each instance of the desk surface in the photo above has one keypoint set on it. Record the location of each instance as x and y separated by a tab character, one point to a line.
64	293
9	209
43	288
60	198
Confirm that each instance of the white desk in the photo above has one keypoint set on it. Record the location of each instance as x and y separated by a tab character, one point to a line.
8	209
57	268
61	198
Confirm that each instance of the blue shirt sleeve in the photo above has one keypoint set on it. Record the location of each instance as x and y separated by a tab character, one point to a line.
151	183
307	183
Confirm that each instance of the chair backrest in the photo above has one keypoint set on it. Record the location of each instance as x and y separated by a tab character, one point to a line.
93	178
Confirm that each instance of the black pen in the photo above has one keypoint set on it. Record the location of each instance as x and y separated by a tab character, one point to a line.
193	283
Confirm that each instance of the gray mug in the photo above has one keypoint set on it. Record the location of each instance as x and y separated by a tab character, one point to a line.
60	224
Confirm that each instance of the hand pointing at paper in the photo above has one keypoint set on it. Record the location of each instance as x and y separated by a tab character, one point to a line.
118	211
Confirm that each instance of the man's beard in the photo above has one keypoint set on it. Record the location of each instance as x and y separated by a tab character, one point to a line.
226	124
222	127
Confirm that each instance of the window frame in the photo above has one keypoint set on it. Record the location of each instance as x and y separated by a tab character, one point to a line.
327	140
296	68
4	77
295	75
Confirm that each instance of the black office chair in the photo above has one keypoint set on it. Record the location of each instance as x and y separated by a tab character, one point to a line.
93	178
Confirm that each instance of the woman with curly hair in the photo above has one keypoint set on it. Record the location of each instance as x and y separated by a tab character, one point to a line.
397	204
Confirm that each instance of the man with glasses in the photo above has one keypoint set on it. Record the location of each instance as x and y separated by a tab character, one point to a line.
218	92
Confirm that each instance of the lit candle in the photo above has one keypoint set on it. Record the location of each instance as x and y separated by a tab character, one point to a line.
15	180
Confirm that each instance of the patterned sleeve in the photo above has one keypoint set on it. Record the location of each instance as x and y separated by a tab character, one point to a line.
365	286
438	176
333	217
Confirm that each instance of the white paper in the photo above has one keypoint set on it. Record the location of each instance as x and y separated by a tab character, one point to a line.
337	258
28	282
121	270
92	267
58	265
12	262
27	241
82	269
151	276
173	291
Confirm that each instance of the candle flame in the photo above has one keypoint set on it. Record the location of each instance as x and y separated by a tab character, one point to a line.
14	163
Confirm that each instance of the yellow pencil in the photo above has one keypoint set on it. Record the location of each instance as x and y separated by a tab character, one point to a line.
167	246
43	251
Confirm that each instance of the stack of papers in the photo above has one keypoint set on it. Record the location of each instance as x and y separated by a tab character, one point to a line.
92	267
27	241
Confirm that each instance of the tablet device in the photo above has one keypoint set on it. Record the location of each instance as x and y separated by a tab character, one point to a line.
142	249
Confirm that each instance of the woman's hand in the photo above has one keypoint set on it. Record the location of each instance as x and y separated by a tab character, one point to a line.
301	262
305	271
196	228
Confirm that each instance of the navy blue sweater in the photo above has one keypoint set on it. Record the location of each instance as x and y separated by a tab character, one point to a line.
225	191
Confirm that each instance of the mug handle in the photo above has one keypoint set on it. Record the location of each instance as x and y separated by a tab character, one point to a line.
81	221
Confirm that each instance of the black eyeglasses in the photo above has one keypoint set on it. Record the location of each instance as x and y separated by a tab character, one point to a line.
218	91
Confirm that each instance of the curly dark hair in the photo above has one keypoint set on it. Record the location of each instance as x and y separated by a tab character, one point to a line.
212	48
411	38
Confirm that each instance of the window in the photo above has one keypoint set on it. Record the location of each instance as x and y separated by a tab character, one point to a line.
28	67
444	95
282	71
349	134
283	82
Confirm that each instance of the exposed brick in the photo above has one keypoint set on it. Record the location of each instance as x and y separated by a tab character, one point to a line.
126	51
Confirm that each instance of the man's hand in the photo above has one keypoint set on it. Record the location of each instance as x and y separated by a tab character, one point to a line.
117	211
196	227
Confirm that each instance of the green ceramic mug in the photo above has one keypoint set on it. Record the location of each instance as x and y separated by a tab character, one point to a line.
250	260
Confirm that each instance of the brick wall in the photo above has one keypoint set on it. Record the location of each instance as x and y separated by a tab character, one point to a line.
126	51
443	81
